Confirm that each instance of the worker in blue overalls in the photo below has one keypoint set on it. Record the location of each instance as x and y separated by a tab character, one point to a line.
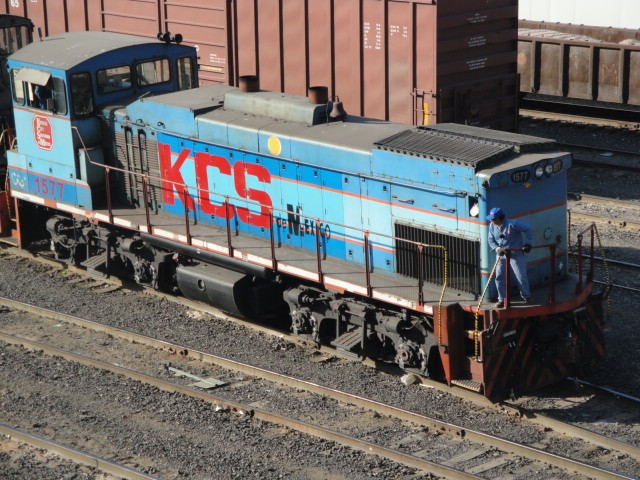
504	234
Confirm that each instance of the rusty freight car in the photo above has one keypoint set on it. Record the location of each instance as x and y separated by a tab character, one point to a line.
596	66
411	61
581	53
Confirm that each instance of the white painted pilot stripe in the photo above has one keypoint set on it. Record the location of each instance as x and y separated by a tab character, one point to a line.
259	260
164	233
181	238
196	242
283	267
101	216
26	196
122	221
395	300
351	287
71	209
249	257
218	248
143	228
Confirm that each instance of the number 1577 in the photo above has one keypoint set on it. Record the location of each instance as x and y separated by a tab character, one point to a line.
49	187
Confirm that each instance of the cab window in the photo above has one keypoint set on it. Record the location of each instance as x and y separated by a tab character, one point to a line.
113	79
38	89
59	96
18	88
153	72
185	73
81	94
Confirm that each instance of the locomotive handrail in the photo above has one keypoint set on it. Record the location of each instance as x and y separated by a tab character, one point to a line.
365	234
590	230
591	256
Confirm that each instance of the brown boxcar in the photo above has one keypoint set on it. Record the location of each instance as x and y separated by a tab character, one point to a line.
411	61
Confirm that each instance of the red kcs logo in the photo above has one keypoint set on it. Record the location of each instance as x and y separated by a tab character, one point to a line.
42	132
172	179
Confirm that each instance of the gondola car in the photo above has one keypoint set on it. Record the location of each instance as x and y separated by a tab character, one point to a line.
367	235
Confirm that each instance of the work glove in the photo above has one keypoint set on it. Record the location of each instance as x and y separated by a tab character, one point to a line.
501	251
526	248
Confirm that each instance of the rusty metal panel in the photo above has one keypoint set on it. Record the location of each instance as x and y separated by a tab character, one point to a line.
17	8
426	38
57	15
245	39
633	73
50	16
609	74
348	55
578	72
321	46
526	65
140	17
269	46
400	76
203	24
76	16
374	45
603	34
34	11
550	69
294	35
477	61
94	15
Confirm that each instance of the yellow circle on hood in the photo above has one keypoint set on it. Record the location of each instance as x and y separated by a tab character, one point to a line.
274	145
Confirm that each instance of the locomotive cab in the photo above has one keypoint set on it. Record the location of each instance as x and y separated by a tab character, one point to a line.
57	93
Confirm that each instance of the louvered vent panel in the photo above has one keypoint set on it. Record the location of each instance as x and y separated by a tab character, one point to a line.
462	270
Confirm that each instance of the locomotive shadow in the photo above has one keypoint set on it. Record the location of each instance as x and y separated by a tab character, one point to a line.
576	405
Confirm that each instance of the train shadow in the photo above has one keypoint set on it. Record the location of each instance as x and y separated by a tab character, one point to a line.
585	407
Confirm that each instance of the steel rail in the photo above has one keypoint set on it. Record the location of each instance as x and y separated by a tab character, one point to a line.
73	454
588	218
582	197
608	390
597	164
444	427
258	413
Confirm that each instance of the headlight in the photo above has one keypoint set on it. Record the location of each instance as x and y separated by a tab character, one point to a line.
538	171
548	169
557	166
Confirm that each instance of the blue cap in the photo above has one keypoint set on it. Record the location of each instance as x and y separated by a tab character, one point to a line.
495	213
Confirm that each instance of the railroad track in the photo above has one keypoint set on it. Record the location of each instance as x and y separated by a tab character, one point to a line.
625	130
73	454
480	445
632	210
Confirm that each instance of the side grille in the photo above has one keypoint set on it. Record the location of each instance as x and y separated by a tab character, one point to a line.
463	272
137	156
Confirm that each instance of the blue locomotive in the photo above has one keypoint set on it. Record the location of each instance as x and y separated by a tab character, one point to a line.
364	234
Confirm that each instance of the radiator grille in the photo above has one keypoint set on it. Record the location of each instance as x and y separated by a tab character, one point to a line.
463	271
137	155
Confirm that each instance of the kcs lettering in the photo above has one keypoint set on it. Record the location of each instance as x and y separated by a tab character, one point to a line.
173	181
